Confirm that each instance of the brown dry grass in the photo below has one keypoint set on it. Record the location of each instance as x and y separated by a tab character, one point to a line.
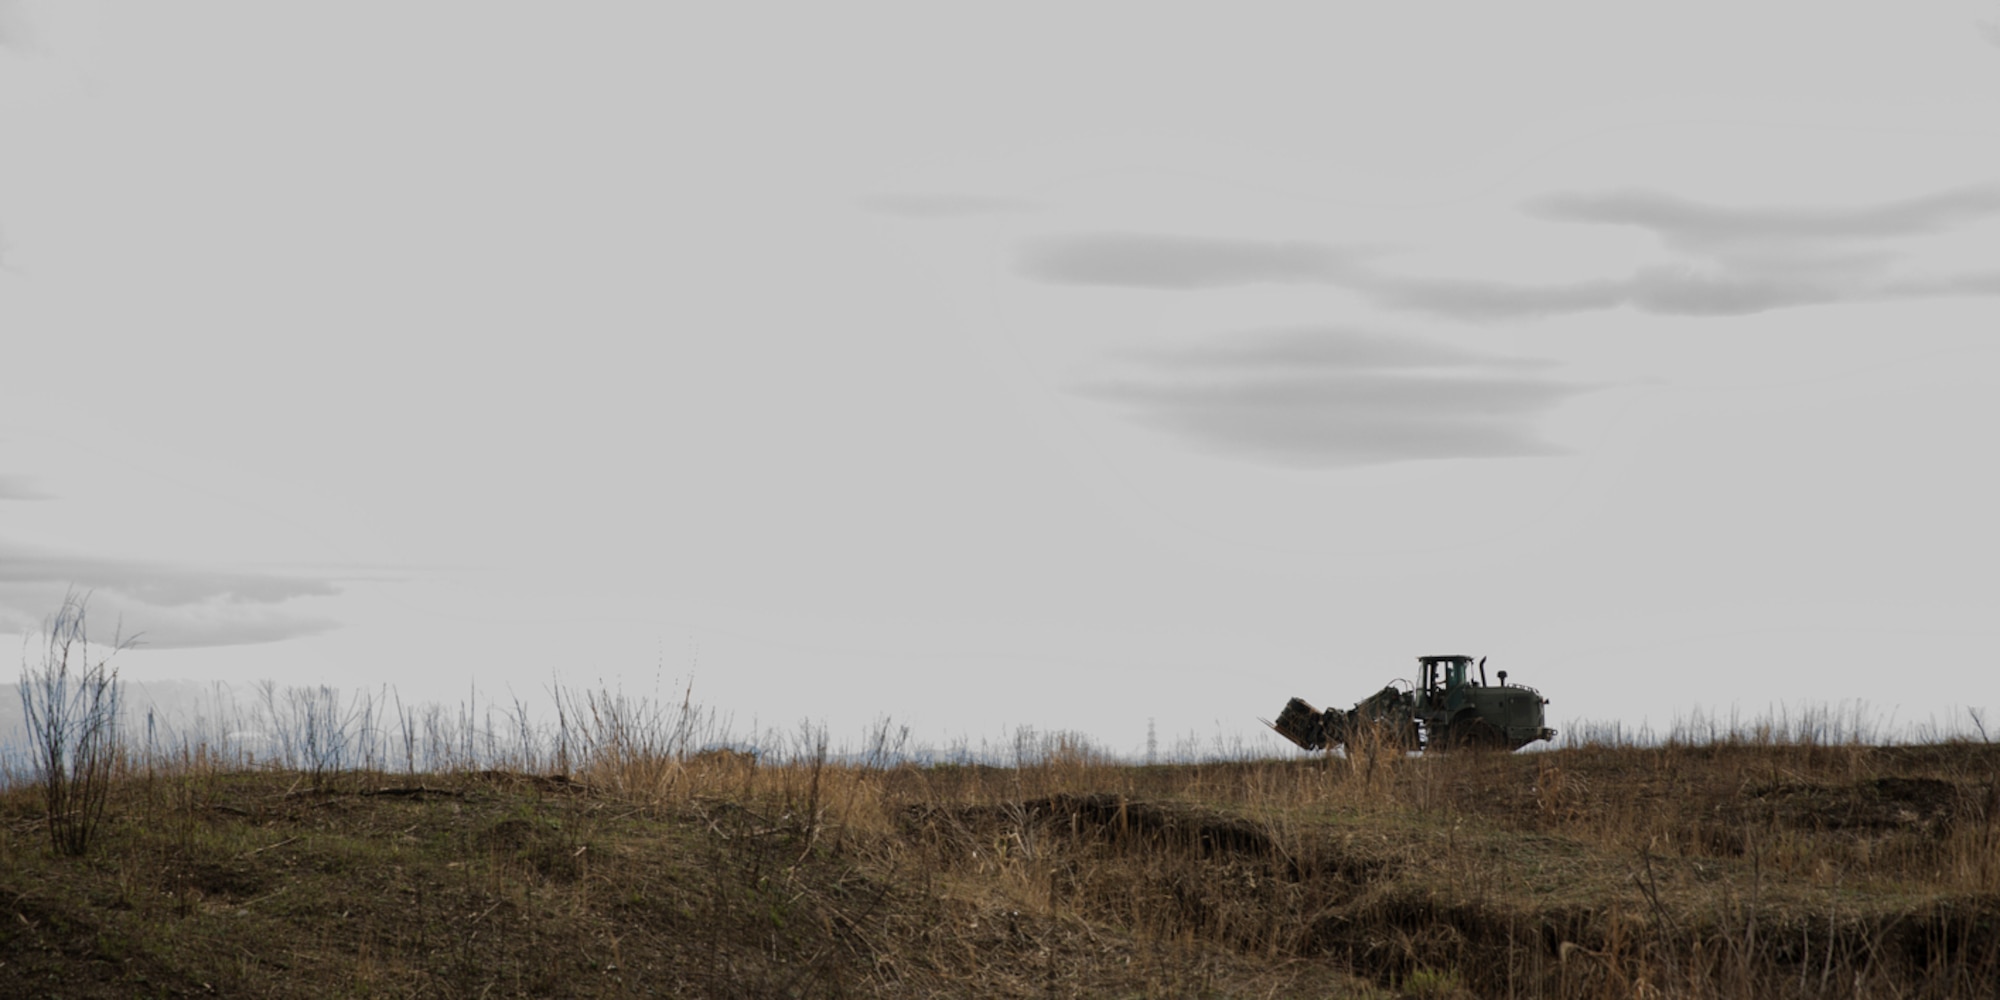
1734	868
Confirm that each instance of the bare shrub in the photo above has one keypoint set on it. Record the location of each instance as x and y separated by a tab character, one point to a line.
71	706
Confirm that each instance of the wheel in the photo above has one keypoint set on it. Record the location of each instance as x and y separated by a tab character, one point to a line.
1470	732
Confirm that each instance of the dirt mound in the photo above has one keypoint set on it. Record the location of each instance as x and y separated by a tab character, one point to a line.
1122	825
1154	824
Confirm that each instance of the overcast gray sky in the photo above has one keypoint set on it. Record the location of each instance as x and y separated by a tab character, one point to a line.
1045	365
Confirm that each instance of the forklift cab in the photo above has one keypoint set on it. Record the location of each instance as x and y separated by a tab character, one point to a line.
1444	679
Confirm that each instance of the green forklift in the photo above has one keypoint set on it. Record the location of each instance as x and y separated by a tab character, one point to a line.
1450	707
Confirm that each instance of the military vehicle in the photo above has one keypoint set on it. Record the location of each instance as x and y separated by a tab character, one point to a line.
1446	709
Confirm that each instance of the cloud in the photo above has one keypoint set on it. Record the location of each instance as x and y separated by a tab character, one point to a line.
1699	226
1188	263
941	206
1483	300
1668	290
1328	347
1333	397
1990	31
1687	291
1152	260
175	605
154	583
1736	261
19	487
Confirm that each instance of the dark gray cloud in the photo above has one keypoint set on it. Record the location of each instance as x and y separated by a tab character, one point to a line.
1153	260
1735	261
941	206
1490	300
1332	397
1688	291
1664	290
1327	348
154	583
19	487
1692	225
1184	263
175	605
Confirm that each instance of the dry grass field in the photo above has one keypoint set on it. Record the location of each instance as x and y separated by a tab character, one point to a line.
609	857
